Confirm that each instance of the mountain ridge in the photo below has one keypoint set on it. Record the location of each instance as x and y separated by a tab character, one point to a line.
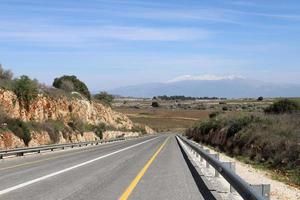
227	88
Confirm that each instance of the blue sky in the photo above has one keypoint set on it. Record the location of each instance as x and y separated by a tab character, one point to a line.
112	43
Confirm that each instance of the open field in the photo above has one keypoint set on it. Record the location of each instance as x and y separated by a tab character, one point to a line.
181	114
164	119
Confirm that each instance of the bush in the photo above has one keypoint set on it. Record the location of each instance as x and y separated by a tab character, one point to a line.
283	106
99	130
53	128
268	140
79	125
260	99
225	108
65	82
155	104
213	115
104	97
6	77
20	129
139	128
26	90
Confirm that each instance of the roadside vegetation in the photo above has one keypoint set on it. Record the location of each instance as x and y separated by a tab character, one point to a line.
269	139
72	84
104	98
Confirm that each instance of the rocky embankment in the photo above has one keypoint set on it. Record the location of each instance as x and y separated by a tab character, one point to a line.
63	109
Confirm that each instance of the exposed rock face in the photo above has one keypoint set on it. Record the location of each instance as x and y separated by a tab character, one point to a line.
45	108
9	140
117	134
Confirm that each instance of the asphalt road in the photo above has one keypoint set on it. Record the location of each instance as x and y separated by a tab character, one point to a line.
146	168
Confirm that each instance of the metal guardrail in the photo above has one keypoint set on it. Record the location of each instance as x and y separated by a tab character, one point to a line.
241	186
22	151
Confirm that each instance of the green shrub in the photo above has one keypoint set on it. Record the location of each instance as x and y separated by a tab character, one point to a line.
155	104
20	129
105	98
139	128
283	106
53	128
237	124
6	77
79	125
209	125
213	115
68	82
26	90
99	130
225	108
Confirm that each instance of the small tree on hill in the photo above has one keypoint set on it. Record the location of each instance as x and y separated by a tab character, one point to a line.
260	99
105	98
26	90
64	83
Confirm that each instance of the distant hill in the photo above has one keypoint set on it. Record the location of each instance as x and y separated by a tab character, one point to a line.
227	88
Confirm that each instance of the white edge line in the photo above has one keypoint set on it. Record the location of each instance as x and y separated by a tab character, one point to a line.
10	189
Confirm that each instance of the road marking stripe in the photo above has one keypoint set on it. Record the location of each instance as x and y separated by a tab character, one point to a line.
69	169
54	157
136	180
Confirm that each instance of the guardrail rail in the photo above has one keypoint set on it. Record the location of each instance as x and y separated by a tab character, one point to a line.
39	149
245	190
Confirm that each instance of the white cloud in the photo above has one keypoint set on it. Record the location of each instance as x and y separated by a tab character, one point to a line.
36	32
205	77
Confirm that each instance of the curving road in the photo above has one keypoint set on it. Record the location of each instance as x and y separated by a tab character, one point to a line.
146	168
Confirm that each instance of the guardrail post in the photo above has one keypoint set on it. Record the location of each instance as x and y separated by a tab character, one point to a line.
1	156
230	165
263	189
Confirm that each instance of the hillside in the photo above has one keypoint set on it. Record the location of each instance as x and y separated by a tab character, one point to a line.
33	114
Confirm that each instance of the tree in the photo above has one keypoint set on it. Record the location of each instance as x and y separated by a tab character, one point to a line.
155	104
6	77
26	90
104	97
64	83
5	74
260	99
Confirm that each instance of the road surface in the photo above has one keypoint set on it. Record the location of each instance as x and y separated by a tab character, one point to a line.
146	168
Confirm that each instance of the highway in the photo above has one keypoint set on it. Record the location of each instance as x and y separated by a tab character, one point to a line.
146	168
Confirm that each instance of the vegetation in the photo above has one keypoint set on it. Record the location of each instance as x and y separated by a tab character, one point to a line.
20	129
155	104
139	128
167	98
283	106
268	140
260	99
104	97
6	78
26	90
72	83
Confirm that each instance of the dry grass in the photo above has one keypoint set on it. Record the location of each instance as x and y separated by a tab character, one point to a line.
165	119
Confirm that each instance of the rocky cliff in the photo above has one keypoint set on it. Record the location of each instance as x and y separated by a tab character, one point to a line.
45	108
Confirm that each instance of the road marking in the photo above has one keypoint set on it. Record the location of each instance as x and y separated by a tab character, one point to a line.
136	180
69	168
52	158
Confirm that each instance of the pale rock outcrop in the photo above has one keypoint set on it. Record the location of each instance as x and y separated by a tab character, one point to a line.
118	134
9	140
45	108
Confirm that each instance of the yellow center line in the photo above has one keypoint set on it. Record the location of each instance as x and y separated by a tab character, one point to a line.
136	180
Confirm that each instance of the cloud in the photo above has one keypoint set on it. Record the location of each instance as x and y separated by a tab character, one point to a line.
205	77
65	34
